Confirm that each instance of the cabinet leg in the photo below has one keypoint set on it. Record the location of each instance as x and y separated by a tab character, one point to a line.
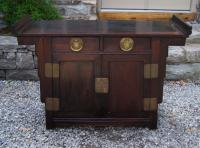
153	124
49	126
42	99
49	122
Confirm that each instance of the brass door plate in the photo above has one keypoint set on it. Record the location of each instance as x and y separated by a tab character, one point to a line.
150	71
52	104
52	70
150	104
102	85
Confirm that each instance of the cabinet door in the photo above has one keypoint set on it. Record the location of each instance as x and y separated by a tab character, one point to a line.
127	86
75	85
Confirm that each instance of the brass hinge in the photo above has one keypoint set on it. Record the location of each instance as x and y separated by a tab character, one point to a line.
101	85
52	104
150	104
150	71
51	70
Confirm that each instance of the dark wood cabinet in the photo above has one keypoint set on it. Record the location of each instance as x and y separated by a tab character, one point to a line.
102	72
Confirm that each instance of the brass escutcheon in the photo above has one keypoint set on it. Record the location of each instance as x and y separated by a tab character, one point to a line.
76	44
126	44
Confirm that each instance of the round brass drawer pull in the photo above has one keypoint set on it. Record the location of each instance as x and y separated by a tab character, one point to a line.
126	44
76	44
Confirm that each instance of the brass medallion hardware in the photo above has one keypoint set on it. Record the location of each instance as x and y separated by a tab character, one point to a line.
150	104
101	85
126	44
52	70
52	104
150	71
76	44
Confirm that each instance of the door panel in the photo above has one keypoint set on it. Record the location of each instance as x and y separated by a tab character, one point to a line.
76	83
75	86
126	82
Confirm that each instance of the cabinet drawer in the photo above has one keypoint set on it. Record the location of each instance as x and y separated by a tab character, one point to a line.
75	44
122	44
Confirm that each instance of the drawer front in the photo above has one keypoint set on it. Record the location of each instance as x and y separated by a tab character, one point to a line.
75	44
126	44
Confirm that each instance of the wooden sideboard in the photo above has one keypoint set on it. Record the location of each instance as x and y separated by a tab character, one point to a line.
101	73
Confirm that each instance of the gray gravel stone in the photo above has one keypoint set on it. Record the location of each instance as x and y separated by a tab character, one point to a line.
2	24
35	61
1	56
67	2
2	75
1	15
8	40
31	48
61	10
195	36
92	2
176	55
25	61
22	50
9	48
183	72
1	52
10	55
7	64
93	10
22	122
192	53
22	75
77	10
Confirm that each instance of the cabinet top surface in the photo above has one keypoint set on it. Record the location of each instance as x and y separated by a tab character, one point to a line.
84	27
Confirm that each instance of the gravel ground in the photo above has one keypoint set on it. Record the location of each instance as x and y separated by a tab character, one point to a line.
22	122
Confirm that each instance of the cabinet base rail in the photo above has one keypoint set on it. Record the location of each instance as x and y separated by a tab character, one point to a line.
150	122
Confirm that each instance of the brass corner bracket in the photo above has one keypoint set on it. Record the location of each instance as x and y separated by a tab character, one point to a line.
150	71
52	70
52	104
102	85
150	104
